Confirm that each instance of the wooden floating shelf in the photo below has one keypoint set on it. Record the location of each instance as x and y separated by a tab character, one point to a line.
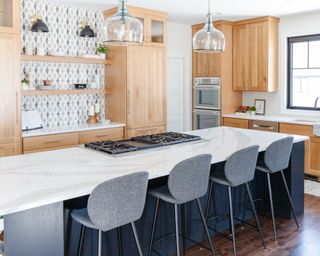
64	59
62	92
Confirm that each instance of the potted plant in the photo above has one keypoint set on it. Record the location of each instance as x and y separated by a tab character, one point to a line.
102	50
252	110
25	84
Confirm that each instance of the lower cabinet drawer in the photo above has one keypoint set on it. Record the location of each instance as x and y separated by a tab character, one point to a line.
145	131
10	149
50	142
235	122
101	135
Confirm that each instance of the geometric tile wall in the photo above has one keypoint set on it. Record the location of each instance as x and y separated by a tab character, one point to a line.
63	23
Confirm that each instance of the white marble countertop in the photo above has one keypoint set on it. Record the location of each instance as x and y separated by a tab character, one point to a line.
303	120
33	180
74	128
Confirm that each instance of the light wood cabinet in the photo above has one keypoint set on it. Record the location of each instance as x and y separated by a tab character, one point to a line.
235	122
255	54
206	64
312	146
145	131
67	140
10	126
50	142
146	94
154	23
136	80
101	135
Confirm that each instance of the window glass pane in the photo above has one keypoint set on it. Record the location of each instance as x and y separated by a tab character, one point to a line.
305	87
314	54
300	55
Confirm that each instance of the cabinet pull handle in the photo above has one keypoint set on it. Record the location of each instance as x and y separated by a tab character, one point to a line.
53	141
100	136
263	126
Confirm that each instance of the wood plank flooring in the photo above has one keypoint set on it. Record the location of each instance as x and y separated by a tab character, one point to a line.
291	242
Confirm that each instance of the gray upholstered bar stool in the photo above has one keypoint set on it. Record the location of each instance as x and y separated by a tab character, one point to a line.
239	170
188	181
113	204
276	159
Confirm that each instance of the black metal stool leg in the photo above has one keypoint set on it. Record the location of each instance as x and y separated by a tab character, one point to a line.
271	207
209	200
231	221
245	205
135	233
176	218
154	222
289	196
255	214
80	244
205	226
119	236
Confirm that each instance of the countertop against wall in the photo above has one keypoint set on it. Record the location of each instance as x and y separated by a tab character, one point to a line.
71	128
302	120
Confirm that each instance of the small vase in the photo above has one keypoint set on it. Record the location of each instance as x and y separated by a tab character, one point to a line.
252	113
24	86
102	56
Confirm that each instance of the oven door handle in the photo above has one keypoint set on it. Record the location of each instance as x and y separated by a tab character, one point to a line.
208	112
207	88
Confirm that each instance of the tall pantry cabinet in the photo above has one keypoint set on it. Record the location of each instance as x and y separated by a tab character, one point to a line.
10	124
136	79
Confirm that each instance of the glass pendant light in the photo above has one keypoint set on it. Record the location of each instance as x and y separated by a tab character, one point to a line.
122	28
209	39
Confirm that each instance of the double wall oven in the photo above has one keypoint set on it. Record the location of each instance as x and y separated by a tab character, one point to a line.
207	102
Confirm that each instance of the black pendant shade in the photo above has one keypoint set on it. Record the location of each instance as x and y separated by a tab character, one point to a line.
39	26
87	32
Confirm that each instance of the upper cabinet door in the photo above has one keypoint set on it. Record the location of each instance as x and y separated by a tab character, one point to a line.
258	56
240	60
146	90
200	68
157	31
9	16
255	54
10	127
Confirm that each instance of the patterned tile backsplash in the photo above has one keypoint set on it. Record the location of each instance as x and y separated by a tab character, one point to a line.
63	23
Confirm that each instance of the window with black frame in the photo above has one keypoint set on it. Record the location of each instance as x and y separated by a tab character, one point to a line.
303	72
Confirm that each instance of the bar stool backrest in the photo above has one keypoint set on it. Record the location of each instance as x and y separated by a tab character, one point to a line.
189	179
278	153
118	201
241	165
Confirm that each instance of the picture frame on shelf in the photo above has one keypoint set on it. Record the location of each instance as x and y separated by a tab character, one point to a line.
260	106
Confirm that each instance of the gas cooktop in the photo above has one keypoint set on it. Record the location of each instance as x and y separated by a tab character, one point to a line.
142	142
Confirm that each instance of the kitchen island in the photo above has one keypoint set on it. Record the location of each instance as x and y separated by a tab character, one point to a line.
36	188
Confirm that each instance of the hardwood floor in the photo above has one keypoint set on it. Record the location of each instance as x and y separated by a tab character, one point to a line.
293	242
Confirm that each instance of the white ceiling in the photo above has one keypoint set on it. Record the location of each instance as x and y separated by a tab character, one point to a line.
193	11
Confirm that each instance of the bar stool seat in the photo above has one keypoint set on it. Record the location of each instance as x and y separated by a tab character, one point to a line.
220	178
163	193
81	216
261	166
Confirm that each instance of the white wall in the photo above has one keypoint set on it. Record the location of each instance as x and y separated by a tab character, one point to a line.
304	24
180	46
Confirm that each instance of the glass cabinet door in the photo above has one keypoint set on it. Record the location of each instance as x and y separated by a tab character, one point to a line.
157	31
9	15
